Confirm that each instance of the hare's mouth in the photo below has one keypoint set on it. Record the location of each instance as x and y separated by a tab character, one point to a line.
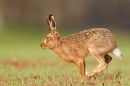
44	47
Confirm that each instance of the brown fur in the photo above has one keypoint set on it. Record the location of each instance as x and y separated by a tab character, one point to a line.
74	48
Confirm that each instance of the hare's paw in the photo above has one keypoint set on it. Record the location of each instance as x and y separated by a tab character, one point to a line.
90	74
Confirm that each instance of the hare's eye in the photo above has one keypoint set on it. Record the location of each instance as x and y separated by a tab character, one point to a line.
47	38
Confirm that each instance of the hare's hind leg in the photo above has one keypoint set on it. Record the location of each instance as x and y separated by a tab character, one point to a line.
107	58
102	59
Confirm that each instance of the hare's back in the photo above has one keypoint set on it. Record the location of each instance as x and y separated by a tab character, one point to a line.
101	38
90	36
99	34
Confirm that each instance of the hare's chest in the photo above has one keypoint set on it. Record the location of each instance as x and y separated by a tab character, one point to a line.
63	54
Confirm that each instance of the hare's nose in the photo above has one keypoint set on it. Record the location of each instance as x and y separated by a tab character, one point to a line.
41	45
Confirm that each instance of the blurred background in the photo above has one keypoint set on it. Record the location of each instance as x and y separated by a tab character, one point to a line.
22	23
88	13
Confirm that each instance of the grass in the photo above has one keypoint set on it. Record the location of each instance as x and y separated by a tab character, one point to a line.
24	63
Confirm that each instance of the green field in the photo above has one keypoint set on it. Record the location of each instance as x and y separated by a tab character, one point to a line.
24	63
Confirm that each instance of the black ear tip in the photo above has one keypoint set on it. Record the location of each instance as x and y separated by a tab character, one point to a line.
50	16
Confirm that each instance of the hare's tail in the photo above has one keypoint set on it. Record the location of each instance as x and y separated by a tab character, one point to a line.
117	52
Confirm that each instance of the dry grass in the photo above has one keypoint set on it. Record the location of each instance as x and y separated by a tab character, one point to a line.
38	72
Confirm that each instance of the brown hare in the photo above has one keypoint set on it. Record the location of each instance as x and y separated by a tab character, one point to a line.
74	48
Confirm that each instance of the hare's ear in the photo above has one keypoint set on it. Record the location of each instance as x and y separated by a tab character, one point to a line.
51	23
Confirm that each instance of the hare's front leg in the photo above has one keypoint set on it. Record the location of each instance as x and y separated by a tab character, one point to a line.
81	66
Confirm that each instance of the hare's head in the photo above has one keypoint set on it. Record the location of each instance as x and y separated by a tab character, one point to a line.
51	39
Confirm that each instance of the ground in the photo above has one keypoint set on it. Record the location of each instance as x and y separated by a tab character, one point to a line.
40	72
